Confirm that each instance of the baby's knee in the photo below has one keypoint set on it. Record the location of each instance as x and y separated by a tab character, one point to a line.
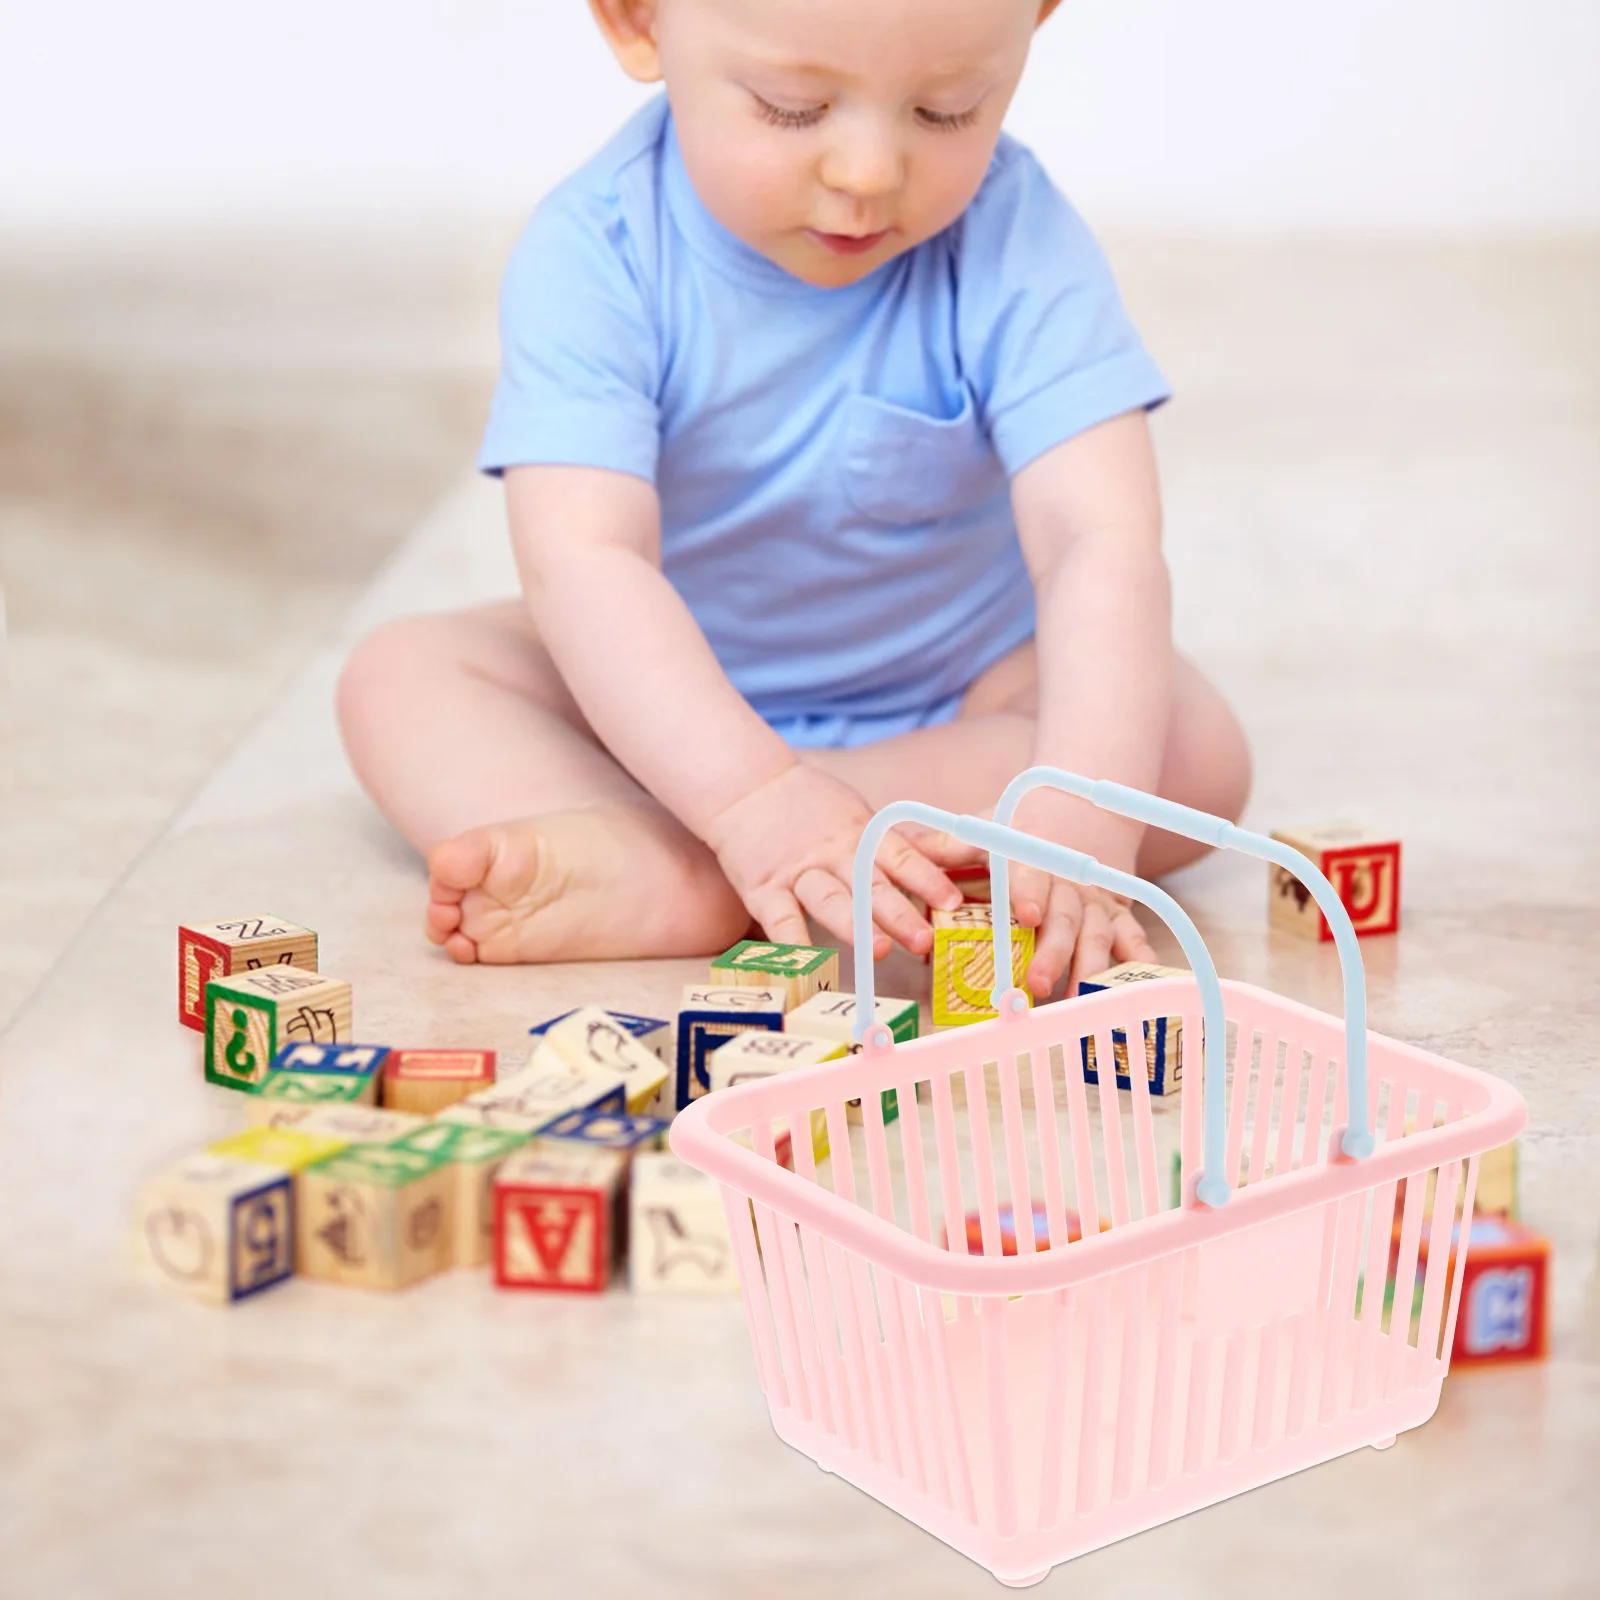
383	670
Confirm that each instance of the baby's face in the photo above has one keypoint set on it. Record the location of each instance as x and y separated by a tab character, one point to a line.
831	135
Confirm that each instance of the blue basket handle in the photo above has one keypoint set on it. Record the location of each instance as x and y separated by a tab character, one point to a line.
1357	1141
1006	844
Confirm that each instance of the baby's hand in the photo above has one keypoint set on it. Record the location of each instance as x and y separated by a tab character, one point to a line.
1082	931
788	848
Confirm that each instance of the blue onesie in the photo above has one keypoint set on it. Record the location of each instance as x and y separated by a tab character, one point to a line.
833	465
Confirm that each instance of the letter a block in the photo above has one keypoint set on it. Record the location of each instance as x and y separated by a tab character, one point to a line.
678	1241
799	970
1362	866
249	1018
375	1217
220	949
558	1223
963	962
216	1227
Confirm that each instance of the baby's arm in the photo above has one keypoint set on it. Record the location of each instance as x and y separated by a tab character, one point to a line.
1089	519
588	547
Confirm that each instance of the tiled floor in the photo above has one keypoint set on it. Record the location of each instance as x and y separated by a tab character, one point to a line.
1410	436
203	458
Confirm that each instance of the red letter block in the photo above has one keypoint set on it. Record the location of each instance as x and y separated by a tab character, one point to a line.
1362	866
558	1219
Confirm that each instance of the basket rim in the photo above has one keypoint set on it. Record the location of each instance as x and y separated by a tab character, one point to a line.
697	1138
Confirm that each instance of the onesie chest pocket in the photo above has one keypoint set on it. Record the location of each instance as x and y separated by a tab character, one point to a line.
900	467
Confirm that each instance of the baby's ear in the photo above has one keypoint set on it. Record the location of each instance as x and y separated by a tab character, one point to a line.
630	30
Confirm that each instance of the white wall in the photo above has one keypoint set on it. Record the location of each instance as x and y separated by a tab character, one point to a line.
1233	114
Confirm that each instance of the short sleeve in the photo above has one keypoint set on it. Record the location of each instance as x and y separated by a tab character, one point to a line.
1044	339
579	374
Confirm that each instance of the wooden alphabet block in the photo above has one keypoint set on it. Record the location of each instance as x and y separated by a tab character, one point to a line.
608	1130
532	1098
375	1217
558	1219
759	1054
216	1227
654	1033
242	944
292	1149
592	1040
250	1017
798	970
1362	866
426	1081
678	1240
364	1061
963	962
318	1088
1163	1036
1504	1309
833	1016
972	881
474	1157
710	1016
354	1124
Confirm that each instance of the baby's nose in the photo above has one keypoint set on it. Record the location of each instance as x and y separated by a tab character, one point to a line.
865	163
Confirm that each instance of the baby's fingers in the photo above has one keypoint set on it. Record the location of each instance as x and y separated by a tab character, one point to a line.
1094	945
905	863
1057	938
1129	941
1031	892
780	916
828	901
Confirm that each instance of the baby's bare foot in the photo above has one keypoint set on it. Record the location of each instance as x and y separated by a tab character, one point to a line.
612	883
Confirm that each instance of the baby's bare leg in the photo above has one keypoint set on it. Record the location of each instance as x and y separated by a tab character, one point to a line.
540	846
964	765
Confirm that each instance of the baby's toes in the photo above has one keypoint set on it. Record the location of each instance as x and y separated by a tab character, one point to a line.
443	918
460	864
461	949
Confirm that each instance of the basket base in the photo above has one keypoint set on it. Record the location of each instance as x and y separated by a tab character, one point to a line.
1029	1555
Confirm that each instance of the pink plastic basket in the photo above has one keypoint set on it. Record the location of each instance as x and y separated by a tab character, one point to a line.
1028	1407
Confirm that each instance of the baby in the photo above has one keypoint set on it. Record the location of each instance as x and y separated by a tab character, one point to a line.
829	482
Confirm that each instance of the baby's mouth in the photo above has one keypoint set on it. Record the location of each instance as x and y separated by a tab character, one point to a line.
849	244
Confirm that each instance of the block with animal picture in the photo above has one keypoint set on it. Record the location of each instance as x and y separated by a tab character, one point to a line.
711	1015
558	1218
375	1217
798	970
1362	865
833	1016
529	1099
216	1227
426	1081
972	880
963	963
240	944
678	1240
253	1015
1163	1036
592	1040
474	1157
750	1056
654	1033
353	1124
